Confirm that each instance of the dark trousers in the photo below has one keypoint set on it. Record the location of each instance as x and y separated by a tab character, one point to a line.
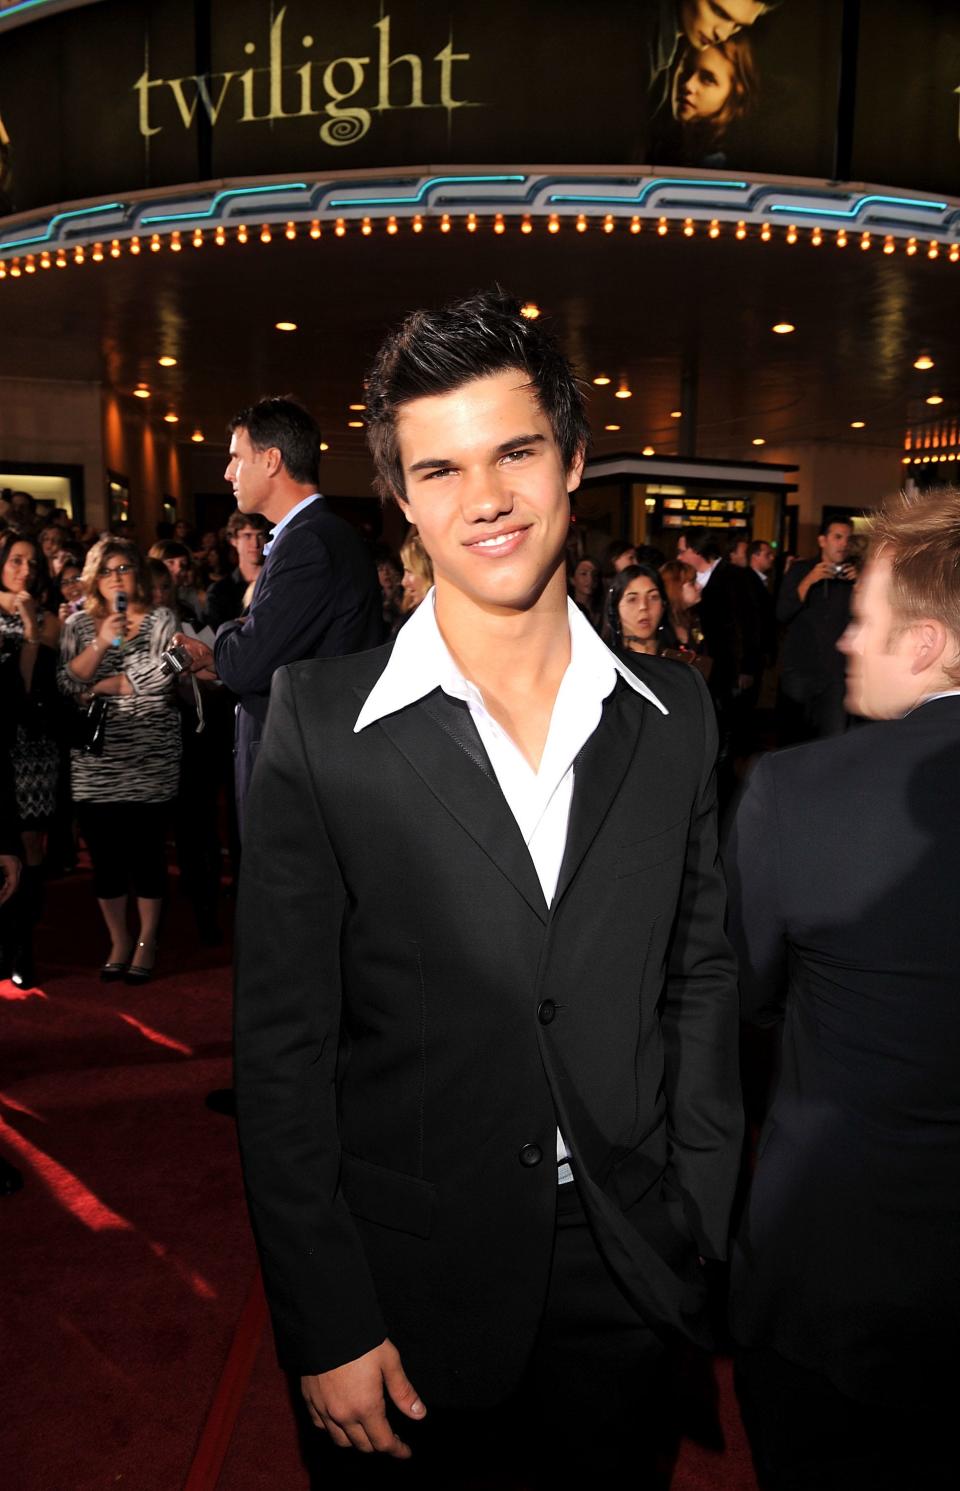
127	843
589	1411
808	1436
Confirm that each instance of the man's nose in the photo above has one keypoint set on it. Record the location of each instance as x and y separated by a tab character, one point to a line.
485	498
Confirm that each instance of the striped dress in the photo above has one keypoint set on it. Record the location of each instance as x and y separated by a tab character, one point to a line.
141	753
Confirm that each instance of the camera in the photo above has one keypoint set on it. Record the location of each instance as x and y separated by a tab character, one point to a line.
175	661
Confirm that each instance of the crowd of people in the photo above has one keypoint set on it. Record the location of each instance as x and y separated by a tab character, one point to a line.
485	861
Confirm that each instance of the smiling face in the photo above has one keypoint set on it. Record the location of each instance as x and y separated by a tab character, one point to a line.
640	611
487	489
706	22
702	86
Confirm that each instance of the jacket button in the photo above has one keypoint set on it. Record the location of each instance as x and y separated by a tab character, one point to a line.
546	1011
530	1155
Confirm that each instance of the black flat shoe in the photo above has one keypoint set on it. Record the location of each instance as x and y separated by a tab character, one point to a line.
111	973
140	973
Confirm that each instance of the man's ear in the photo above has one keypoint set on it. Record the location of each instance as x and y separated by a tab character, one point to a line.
403	505
929	645
575	469
272	460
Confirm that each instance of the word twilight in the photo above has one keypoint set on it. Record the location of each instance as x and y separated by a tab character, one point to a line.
341	80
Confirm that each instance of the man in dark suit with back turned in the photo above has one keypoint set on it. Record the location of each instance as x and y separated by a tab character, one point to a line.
316	594
485	1057
843	868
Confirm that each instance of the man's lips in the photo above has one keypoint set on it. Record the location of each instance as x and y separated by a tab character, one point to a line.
504	542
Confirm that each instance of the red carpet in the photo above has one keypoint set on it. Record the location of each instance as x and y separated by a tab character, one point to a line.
135	1350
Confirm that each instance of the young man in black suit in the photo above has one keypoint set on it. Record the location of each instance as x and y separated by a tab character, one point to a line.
843	868
486	1024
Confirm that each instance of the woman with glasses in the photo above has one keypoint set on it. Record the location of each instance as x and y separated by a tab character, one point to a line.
28	641
111	650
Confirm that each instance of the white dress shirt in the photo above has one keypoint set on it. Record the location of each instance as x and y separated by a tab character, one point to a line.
298	508
539	800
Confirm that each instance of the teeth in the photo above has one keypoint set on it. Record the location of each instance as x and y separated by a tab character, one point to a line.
495	543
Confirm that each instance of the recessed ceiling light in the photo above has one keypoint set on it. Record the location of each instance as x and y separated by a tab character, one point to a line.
286	325
197	437
355	424
601	380
170	418
358	406
759	440
324	445
623	392
858	424
784	328
141	391
924	362
611	427
167	362
530	311
935	398
648	450
676	413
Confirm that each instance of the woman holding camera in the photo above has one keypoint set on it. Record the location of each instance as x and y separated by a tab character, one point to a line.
112	650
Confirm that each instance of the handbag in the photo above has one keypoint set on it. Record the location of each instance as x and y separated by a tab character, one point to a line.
90	727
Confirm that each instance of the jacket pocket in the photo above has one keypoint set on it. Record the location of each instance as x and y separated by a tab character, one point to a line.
387	1197
644	854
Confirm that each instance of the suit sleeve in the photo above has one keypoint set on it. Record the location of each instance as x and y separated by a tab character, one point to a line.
287	1017
291	612
789	603
700	1026
756	922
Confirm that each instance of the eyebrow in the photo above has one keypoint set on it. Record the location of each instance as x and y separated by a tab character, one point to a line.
434	463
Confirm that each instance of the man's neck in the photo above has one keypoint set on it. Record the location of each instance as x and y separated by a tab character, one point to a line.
516	658
285	499
248	569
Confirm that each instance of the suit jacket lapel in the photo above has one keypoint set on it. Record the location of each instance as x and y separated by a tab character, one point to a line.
598	773
440	741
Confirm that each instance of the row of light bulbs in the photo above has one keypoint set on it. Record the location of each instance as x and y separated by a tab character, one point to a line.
177	239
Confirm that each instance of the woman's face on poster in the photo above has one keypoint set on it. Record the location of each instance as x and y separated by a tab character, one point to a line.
702	86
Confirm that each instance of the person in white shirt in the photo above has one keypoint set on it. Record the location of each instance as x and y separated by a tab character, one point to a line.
486	1013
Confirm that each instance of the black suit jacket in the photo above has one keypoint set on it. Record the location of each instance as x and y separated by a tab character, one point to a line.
732	632
843	870
316	596
412	1022
811	662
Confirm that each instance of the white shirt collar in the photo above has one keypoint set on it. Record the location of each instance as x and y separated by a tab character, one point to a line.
704	575
298	508
944	694
420	663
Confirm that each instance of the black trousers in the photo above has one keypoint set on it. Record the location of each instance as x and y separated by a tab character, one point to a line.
591	1409
808	1436
127	843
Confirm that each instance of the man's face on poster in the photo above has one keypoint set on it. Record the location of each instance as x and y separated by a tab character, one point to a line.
706	22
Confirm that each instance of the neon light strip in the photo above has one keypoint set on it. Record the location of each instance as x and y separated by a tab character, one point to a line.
651	186
61	217
241	191
852	212
418	197
13	10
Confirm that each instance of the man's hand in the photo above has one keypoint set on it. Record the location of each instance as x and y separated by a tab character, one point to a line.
201	656
348	1402
10	870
